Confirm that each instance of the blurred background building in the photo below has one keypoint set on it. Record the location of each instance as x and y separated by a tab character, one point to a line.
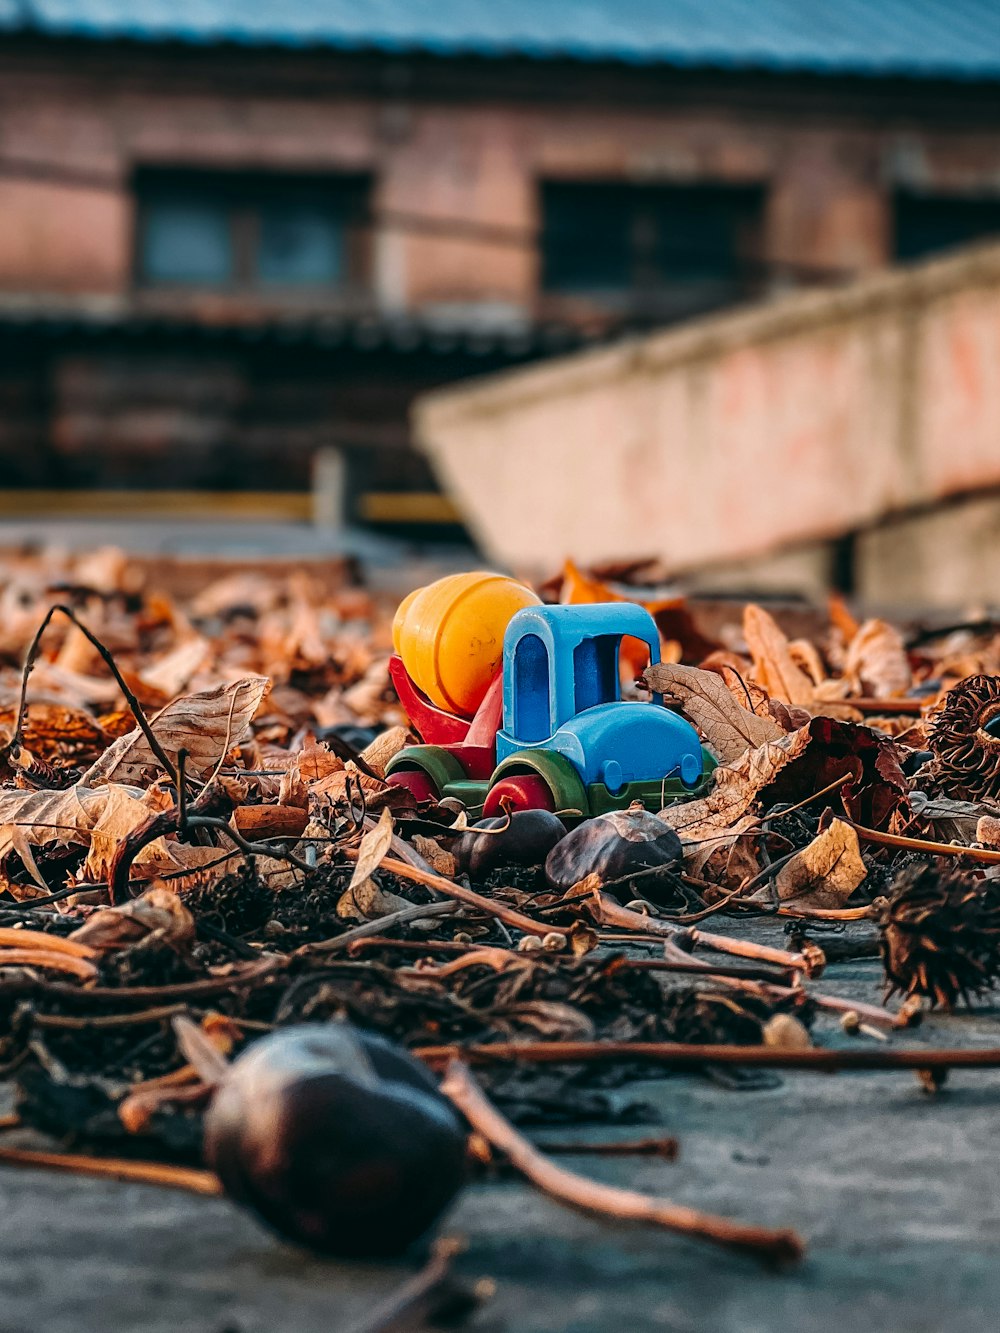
240	238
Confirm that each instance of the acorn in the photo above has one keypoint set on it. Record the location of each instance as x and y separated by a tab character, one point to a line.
524	840
613	846
337	1139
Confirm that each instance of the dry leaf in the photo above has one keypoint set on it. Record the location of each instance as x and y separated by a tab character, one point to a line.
374	847
728	728
383	748
123	812
774	666
174	671
734	789
825	873
207	725
877	663
440	861
727	858
49	819
158	911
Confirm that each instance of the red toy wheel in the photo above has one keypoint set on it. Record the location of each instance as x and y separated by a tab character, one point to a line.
523	791
417	783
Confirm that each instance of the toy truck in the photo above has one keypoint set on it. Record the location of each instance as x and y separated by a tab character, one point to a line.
521	704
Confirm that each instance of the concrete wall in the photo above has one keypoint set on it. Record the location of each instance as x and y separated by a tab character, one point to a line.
737	437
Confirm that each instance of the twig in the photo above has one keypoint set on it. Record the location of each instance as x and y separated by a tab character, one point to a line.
418	912
116	1168
135	707
681	1055
666	1147
431	881
922	845
407	1307
605	1201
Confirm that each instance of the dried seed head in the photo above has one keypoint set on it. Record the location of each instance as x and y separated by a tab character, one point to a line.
941	935
966	763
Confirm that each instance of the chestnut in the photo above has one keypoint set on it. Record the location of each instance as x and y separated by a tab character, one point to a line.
337	1139
612	846
523	840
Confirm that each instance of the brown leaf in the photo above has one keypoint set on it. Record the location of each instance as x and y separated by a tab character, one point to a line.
734	789
158	911
373	850
383	748
728	728
774	666
877	663
439	860
825	873
49	819
207	725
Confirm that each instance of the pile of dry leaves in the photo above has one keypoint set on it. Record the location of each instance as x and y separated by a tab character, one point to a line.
193	821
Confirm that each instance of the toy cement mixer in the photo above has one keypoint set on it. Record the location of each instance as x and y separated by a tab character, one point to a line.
519	705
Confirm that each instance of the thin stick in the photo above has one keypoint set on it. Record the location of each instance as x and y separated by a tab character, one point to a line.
605	1201
418	912
116	1168
406	1307
681	1055
134	705
922	845
609	913
431	881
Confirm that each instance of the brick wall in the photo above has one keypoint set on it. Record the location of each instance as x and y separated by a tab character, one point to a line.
450	143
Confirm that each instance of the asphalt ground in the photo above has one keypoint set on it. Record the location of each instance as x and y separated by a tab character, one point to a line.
896	1192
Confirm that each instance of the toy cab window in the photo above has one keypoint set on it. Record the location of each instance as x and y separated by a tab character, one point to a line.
531	690
261	232
595	672
650	252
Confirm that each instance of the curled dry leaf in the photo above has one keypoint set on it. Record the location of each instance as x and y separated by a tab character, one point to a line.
52	819
383	748
877	663
734	790
158	911
825	873
207	724
728	728
774	666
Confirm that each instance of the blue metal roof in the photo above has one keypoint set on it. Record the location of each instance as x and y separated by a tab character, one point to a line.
918	38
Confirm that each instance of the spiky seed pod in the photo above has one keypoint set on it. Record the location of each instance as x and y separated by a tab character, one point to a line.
966	763
940	934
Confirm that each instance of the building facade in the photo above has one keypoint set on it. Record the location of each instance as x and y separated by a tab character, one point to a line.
229	243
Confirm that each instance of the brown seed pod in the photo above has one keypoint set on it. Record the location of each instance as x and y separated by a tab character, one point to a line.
940	934
965	741
612	846
523	839
337	1138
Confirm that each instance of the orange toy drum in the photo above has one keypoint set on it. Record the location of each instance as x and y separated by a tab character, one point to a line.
450	635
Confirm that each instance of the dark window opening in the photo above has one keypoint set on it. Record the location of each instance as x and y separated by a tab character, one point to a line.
250	232
927	224
662	251
595	671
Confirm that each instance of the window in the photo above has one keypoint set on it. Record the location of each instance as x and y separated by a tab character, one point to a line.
653	249
531	689
595	671
927	224
249	232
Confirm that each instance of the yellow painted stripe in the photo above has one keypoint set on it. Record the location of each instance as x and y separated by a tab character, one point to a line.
156	504
407	507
